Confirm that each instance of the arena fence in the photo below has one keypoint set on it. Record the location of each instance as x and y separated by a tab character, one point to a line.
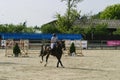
104	44
34	46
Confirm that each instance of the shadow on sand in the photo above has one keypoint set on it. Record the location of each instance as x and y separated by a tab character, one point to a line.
10	63
85	69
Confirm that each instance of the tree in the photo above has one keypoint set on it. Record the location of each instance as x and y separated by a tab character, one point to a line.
96	16
117	32
3	28
16	50
70	5
10	28
72	48
20	28
62	23
77	30
101	29
111	12
28	30
95	31
49	28
65	23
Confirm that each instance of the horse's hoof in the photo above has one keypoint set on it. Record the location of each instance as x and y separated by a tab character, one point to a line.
41	62
63	67
45	65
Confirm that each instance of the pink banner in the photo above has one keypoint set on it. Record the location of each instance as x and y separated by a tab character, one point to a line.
113	43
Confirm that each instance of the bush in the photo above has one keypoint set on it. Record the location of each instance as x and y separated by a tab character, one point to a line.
72	48
16	50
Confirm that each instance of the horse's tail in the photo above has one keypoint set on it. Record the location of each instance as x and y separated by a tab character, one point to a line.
41	51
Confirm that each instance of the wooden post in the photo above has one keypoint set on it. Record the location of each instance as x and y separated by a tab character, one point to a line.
9	47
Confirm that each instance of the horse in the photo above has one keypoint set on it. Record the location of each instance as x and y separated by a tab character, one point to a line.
56	51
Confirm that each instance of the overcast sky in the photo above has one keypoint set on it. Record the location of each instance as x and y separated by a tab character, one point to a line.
38	12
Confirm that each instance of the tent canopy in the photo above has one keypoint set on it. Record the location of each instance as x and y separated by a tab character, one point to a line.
39	36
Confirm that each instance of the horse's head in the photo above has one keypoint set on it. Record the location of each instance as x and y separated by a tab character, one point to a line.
63	45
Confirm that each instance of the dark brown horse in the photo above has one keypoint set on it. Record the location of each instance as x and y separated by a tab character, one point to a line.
56	51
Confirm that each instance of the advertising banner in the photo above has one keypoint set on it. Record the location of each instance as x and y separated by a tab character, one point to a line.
3	43
113	43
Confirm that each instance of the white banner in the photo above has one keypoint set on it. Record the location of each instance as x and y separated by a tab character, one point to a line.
3	43
80	43
84	44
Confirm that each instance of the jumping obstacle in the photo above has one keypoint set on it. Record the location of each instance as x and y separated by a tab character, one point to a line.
78	45
23	44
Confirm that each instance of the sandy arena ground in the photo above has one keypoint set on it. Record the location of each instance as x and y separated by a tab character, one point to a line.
94	65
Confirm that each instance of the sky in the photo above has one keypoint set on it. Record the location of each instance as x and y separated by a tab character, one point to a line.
39	12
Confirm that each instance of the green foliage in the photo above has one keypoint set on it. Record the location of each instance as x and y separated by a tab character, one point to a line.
95	30
62	23
49	28
111	12
3	28
72	3
76	30
20	28
16	50
65	23
101	29
29	30
117	32
72	48
88	30
96	16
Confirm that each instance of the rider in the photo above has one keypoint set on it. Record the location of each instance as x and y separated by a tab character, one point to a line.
54	39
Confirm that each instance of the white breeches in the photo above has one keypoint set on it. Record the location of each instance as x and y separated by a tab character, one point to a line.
52	45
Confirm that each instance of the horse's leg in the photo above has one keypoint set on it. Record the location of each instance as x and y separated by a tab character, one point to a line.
41	54
41	58
59	61
47	59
